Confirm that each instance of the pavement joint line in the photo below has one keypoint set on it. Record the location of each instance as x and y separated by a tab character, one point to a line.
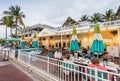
32	71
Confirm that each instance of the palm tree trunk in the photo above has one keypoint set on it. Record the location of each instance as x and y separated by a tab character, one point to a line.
6	32
11	32
16	27
16	32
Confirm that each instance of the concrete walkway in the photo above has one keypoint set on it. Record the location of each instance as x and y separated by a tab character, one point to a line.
13	70
10	71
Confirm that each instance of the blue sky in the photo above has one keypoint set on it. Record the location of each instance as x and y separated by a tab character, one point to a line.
55	12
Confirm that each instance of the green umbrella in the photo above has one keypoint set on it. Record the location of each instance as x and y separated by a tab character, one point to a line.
22	44
35	44
7	43
74	41
97	45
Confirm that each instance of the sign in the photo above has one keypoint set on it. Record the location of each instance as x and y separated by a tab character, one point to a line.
6	49
113	51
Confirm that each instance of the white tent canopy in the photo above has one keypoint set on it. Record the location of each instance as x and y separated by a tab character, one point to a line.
47	32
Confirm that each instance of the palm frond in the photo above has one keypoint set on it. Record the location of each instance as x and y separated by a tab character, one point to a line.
97	17
21	22
7	13
17	14
108	15
84	18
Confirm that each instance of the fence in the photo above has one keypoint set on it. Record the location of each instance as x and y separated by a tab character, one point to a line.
66	71
88	24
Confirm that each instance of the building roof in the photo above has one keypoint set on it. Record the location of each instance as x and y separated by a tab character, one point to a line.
118	11
40	26
37	26
69	21
47	32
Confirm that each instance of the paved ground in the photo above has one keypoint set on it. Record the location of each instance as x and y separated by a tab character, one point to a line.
9	71
1	58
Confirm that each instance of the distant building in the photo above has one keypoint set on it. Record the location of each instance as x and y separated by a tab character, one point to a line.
118	12
61	36
69	22
35	29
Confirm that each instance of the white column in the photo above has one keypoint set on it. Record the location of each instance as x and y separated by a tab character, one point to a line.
119	43
61	39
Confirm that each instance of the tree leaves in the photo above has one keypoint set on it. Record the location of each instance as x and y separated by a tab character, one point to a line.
16	12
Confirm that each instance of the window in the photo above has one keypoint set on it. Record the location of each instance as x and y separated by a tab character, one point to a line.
68	36
51	37
44	38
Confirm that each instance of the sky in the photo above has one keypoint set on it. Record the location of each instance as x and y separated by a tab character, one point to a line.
55	12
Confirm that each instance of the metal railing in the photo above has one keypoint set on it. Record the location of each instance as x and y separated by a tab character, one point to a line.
90	25
28	32
66	71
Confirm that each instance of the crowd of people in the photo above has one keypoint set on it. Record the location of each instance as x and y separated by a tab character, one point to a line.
88	55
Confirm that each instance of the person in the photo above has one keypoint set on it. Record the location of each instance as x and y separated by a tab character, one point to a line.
95	64
58	54
106	55
63	48
67	65
88	48
49	47
67	58
2	46
72	57
84	50
76	54
72	52
89	55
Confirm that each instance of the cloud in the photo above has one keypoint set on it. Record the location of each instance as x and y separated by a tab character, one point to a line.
55	12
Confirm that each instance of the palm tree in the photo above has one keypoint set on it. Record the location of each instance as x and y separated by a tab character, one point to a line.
7	21
108	15
12	26
16	12
84	18
97	17
115	17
